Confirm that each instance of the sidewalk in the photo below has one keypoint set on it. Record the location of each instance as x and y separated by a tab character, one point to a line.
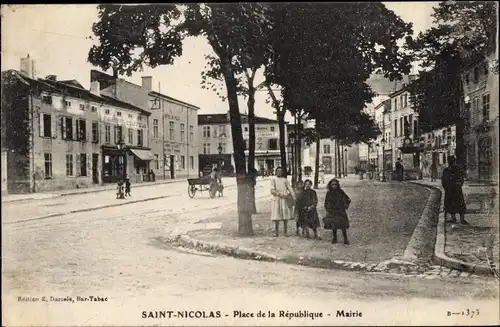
381	230
469	248
99	188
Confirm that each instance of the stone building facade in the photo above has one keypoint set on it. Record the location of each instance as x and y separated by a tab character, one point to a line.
73	135
173	132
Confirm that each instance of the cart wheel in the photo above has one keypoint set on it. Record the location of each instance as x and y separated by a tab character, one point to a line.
212	191
191	191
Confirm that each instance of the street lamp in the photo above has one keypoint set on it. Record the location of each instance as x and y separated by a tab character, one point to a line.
376	146
345	164
121	147
383	159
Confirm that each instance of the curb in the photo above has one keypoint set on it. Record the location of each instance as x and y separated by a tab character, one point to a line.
440	257
389	266
425	227
86	210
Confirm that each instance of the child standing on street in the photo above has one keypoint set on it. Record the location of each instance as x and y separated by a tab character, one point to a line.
336	205
127	187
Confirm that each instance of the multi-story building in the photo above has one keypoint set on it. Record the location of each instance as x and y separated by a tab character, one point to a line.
70	135
404	126
216	147
173	131
481	100
438	145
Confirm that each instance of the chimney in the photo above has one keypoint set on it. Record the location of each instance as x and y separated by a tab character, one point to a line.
95	88
28	67
147	82
51	78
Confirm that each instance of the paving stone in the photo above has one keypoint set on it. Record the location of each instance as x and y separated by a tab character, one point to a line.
464	274
455	273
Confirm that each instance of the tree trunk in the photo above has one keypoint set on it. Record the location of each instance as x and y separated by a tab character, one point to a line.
281	123
339	159
316	161
343	163
299	148
244	184
335	159
251	139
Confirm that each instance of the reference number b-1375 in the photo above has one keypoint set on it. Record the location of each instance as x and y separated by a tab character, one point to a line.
468	313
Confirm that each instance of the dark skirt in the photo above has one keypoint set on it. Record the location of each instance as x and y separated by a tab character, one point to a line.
308	219
454	201
336	220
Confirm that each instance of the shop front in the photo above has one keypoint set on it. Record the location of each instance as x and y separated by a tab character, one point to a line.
129	163
207	162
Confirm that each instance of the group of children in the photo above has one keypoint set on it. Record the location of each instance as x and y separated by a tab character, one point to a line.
336	205
120	188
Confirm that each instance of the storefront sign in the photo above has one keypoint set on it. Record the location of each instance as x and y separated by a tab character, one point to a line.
261	134
168	116
172	148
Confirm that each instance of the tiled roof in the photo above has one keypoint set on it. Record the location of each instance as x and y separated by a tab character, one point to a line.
69	89
223	119
173	99
73	82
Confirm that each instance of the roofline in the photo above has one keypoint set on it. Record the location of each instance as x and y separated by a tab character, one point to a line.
399	91
104	99
245	115
154	93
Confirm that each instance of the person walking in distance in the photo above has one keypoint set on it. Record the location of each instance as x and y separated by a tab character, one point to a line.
306	206
434	172
452	181
336	204
283	198
399	170
127	187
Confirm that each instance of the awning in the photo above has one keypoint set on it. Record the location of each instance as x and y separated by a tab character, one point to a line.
144	155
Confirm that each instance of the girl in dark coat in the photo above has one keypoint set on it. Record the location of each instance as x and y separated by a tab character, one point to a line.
336	204
306	204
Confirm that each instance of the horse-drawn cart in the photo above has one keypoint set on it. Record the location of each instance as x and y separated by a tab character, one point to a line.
201	184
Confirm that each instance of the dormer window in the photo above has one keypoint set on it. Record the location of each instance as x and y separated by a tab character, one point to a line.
67	103
106	111
118	113
82	106
94	108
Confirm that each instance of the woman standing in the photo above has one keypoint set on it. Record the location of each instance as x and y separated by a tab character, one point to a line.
306	208
283	198
336	205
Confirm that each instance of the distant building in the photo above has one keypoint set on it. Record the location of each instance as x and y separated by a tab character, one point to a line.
172	130
216	146
70	135
481	100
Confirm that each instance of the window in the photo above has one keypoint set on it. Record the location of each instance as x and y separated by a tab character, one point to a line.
139	137
107	133
486	107
139	118
129	115
191	133
206	132
206	148
119	132
119	113
273	144
45	125
81	129
106	111
183	162
83	164
406	100
94	108
272	128
82	106
130	136
69	165
246	129
47	99
172	131
395	104
157	161
155	128
95	132
48	165
395	128
223	147
485	69
476	74
467	79
67	128
475	109
67	103
191	162
410	124
326	148
401	100
222	130
183	132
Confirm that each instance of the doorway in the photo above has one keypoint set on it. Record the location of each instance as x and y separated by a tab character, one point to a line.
172	166
95	171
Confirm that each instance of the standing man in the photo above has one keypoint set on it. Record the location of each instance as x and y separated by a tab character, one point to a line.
452	181
399	170
434	171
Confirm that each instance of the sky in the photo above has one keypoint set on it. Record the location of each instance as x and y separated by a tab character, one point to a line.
56	36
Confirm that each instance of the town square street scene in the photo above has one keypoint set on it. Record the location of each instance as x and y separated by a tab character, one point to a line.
250	164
